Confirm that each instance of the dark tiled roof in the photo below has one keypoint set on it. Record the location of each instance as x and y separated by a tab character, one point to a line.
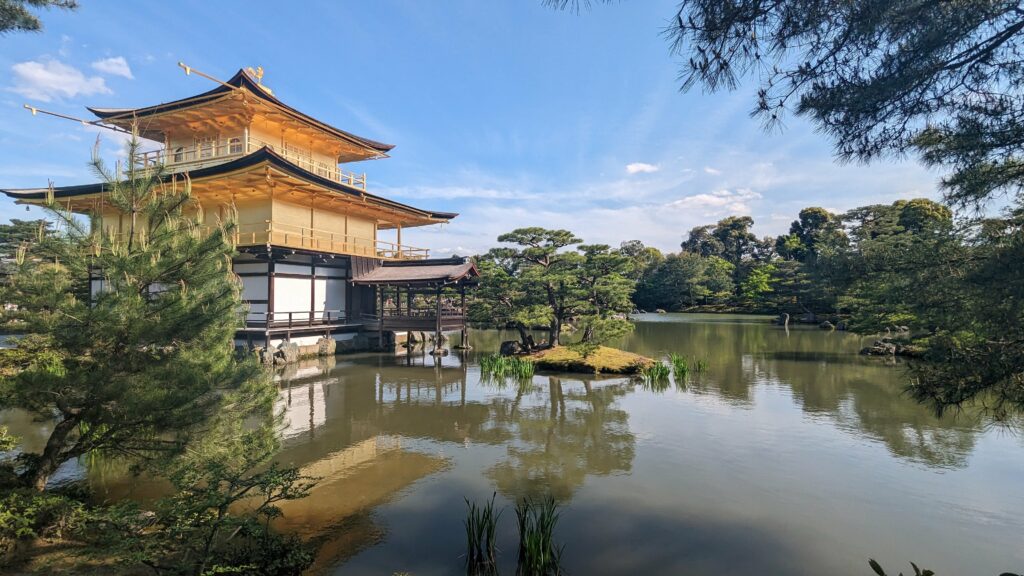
239	80
261	155
433	271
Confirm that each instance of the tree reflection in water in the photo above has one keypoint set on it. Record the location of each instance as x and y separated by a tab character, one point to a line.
561	432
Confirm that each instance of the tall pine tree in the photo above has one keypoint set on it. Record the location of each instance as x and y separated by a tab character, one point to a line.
139	365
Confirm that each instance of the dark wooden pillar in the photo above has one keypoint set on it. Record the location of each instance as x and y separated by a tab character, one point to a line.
437	322
270	298
465	326
380	317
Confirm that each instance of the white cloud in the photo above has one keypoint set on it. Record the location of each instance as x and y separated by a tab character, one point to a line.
712	171
116	66
719	202
641	167
51	79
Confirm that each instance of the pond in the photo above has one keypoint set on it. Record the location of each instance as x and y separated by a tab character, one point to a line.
790	455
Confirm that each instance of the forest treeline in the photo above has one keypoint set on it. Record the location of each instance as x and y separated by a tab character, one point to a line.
949	286
850	266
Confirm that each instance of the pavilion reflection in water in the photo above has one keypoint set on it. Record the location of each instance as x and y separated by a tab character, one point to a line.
371	427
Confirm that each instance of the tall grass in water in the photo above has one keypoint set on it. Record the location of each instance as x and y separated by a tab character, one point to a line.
499	366
701	365
538	555
680	366
481	549
655	377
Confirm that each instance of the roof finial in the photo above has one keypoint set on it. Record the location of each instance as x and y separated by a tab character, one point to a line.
257	73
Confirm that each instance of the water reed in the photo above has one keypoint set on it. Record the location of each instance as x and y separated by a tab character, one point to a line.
656	376
498	366
481	526
701	365
538	555
680	366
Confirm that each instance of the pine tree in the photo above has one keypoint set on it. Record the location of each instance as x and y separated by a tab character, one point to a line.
135	368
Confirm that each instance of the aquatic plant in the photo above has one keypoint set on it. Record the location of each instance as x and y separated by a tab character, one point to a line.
656	375
680	366
701	365
498	366
481	548
538	555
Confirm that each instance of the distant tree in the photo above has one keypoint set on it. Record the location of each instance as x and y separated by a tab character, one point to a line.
757	285
18	236
703	242
683	281
642	257
738	242
139	367
17	15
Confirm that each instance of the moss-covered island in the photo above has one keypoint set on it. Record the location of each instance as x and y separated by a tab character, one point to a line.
603	360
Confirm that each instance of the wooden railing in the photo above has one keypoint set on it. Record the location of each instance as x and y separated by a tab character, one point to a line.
329	241
209	153
296	319
291	236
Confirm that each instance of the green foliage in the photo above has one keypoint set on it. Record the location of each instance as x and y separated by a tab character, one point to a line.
758	283
481	541
680	365
541	283
656	376
880	78
598	331
7	441
701	365
26	515
684	280
538	555
498	366
216	521
138	368
17	16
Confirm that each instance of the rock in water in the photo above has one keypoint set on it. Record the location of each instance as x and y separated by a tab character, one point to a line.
510	348
289	351
326	346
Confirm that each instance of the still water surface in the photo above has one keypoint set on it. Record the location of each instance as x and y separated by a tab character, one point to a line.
791	455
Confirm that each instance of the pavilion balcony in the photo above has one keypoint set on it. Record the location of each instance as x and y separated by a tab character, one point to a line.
270	233
183	159
274	233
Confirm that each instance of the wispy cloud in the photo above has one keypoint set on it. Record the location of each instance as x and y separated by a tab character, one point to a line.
115	66
719	202
48	79
712	171
641	168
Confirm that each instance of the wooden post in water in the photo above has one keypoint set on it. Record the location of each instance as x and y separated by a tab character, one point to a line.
465	327
438	347
380	317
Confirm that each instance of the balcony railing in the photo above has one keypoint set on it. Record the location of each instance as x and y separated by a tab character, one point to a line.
292	236
219	151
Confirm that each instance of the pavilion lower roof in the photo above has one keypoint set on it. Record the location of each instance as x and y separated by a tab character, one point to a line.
420	272
250	176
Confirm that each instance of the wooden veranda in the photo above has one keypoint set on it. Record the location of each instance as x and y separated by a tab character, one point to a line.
421	296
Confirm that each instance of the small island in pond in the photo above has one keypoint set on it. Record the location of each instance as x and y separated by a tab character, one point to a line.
603	360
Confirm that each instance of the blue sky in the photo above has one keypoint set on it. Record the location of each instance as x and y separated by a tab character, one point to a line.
505	111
